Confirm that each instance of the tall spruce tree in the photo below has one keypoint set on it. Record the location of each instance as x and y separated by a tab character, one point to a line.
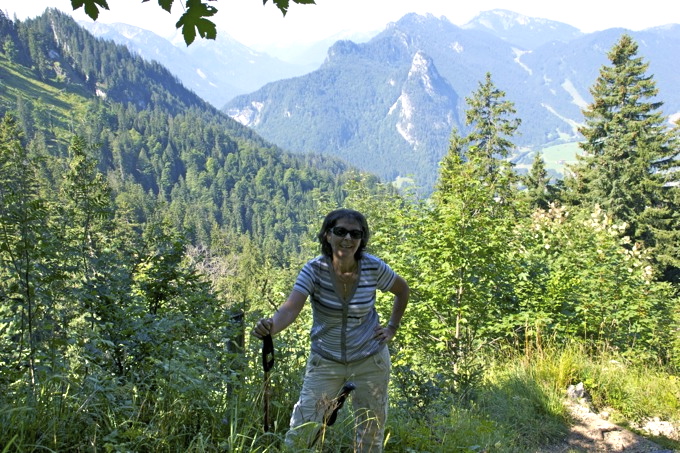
625	136
26	250
492	122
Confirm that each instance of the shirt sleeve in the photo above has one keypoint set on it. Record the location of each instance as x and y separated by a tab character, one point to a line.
304	283
386	276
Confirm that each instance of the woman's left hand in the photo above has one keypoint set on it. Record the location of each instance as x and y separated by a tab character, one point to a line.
384	334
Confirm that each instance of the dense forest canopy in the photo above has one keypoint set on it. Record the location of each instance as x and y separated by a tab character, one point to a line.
142	232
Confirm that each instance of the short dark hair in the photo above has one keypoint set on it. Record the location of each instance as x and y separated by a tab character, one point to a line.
330	221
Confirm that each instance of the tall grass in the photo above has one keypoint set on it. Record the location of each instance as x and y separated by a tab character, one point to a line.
634	391
510	411
518	407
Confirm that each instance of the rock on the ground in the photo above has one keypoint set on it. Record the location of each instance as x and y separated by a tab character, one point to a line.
592	433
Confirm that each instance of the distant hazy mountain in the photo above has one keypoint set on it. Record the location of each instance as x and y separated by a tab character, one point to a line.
215	70
420	70
526	32
311	54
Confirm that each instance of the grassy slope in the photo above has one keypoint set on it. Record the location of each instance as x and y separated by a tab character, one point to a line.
61	101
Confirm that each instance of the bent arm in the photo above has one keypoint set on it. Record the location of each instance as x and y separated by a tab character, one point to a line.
288	312
401	292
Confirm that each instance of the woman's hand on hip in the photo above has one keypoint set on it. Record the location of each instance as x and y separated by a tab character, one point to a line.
384	334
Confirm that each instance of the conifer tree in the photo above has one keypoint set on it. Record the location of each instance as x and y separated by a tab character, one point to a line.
539	192
663	219
25	245
492	122
625	136
87	234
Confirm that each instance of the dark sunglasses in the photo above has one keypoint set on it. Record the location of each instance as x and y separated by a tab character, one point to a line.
342	232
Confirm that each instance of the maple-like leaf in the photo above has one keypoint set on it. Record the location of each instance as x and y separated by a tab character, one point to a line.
284	4
165	4
193	20
90	6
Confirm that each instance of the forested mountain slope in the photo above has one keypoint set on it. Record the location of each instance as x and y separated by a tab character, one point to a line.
152	136
379	107
217	70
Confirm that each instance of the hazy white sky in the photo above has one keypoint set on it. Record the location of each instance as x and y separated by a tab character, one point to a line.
260	27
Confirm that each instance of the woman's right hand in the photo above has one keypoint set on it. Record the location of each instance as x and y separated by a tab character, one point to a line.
263	327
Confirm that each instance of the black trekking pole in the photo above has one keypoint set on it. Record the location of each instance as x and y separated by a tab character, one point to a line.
267	364
331	413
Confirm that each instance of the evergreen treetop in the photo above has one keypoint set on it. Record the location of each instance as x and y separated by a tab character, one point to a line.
625	136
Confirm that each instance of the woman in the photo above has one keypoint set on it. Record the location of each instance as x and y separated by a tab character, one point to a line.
348	342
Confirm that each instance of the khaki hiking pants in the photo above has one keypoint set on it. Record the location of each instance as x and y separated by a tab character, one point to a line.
323	381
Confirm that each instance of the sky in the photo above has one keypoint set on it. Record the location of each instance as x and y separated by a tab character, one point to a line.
263	27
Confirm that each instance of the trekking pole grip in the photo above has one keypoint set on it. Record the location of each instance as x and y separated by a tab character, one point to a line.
267	353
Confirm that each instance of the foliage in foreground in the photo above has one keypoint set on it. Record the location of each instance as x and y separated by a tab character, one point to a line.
517	408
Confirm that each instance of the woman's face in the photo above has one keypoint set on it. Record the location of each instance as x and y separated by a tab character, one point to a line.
345	238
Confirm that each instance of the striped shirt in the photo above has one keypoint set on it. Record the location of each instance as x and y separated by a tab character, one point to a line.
343	329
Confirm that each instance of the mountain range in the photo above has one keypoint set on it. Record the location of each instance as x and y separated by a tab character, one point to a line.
388	105
218	70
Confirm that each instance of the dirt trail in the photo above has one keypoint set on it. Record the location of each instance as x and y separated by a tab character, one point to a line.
592	433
